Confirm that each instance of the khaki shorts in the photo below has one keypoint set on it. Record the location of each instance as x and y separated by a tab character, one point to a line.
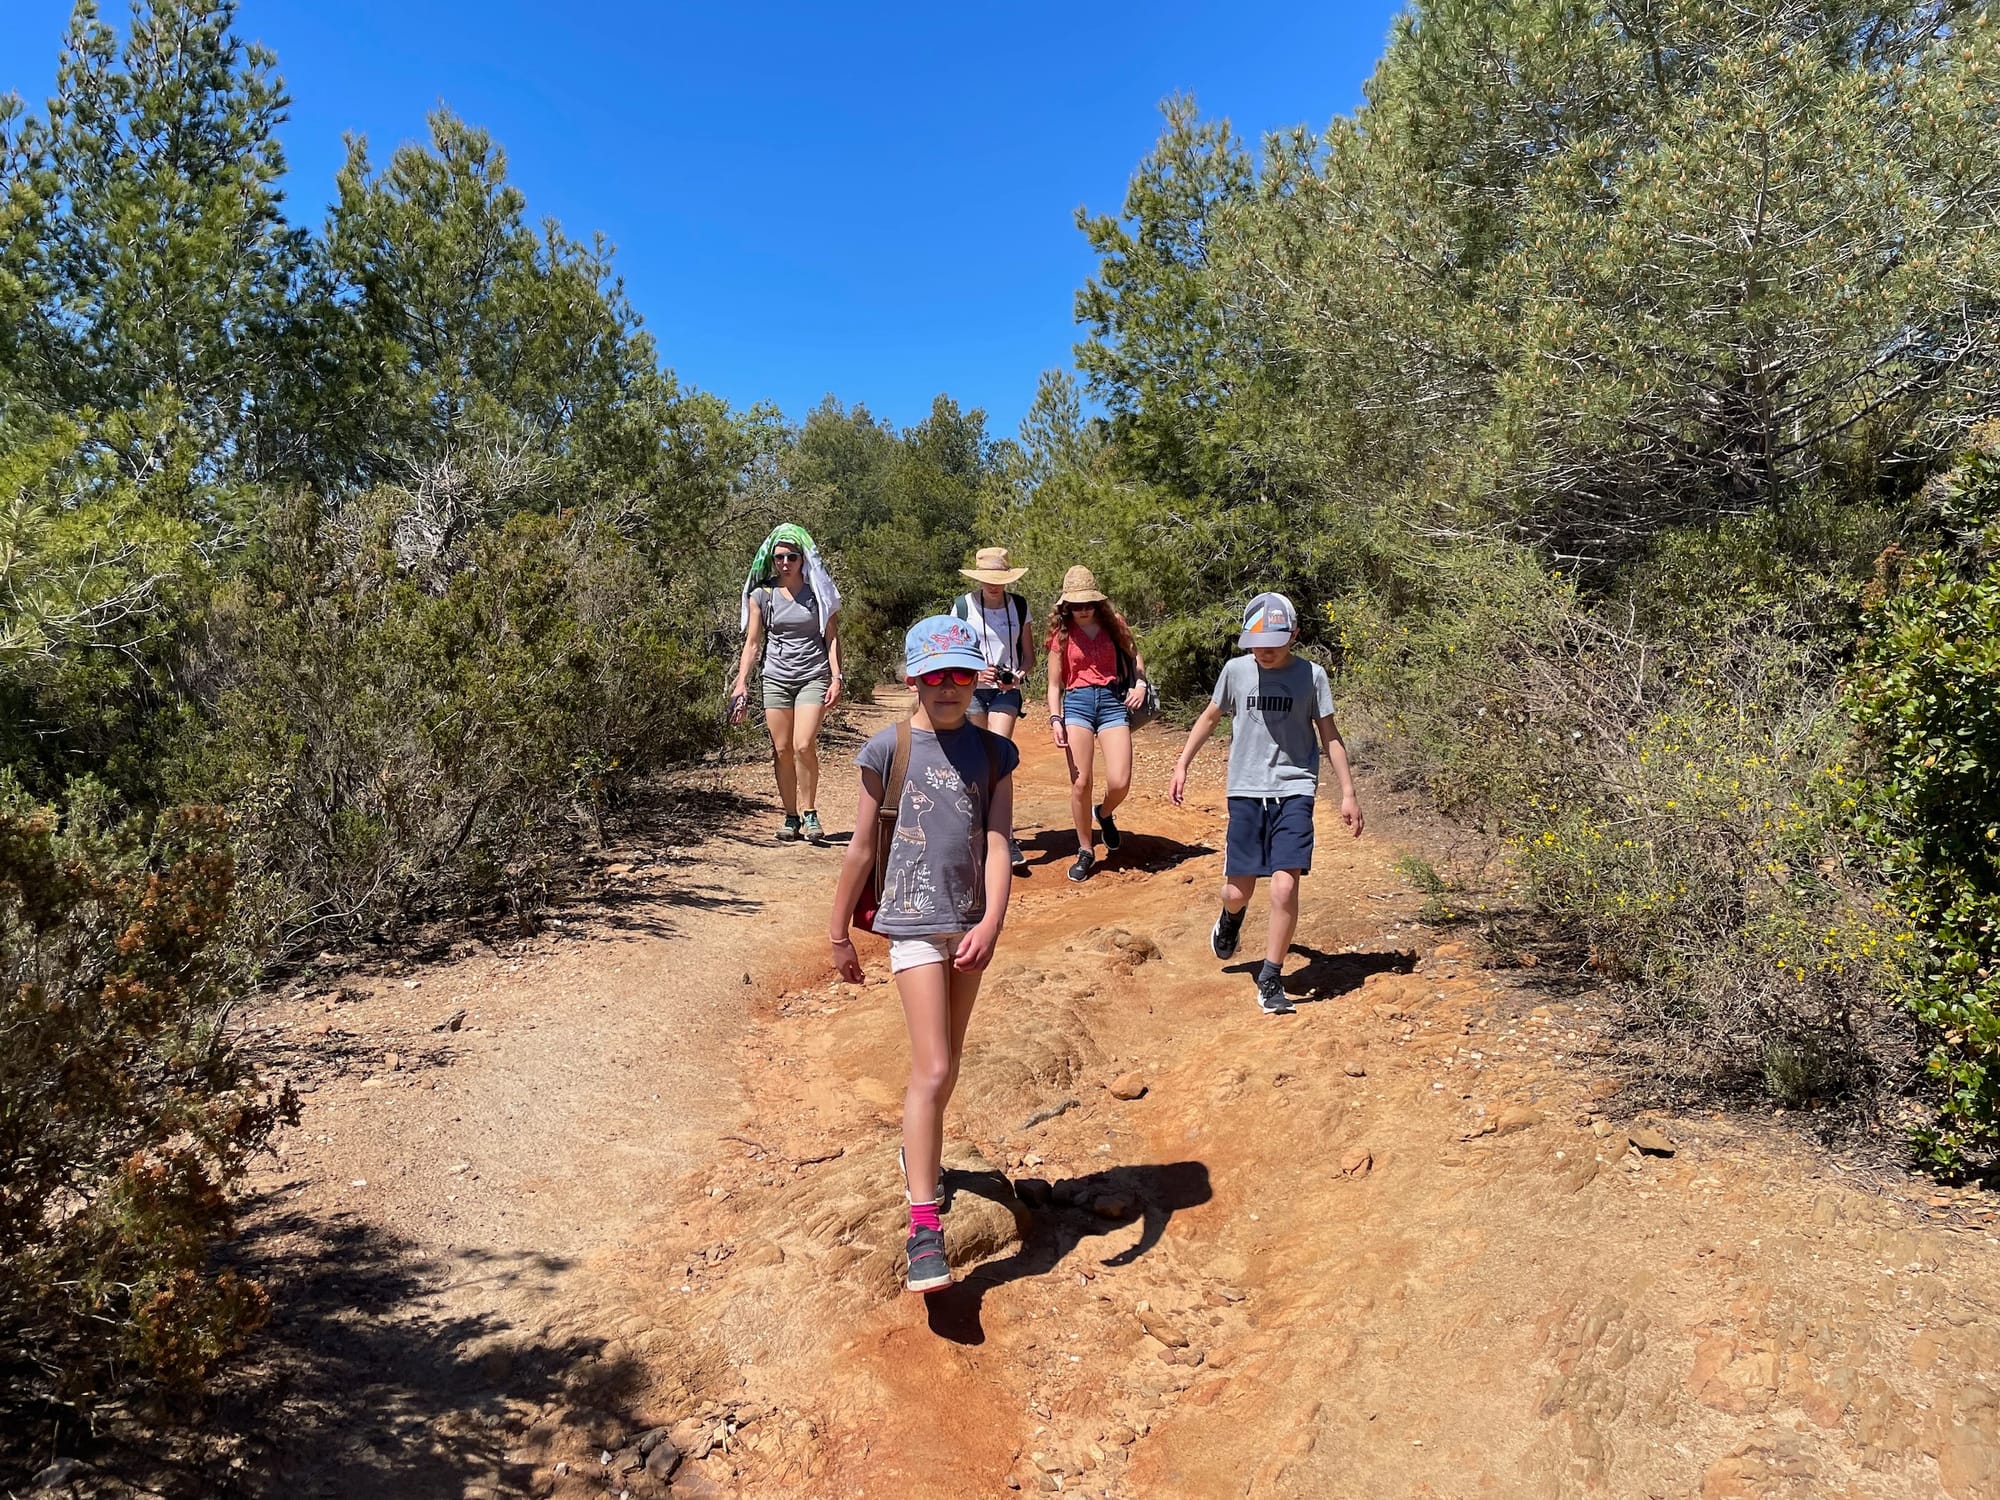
778	693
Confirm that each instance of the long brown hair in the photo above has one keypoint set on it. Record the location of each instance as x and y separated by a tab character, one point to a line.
1121	633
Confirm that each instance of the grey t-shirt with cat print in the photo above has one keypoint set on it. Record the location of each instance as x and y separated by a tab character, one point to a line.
935	881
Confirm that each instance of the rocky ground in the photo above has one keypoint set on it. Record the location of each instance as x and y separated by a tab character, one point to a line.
614	1210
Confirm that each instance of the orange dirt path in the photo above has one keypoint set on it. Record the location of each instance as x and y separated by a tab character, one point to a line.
1396	1244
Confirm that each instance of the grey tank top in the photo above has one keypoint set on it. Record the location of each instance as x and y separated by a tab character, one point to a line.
794	649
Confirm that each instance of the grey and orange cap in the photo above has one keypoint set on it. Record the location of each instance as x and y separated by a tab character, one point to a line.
1269	620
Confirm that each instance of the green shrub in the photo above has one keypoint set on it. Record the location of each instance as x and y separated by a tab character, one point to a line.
1926	691
1680	810
126	1115
409	735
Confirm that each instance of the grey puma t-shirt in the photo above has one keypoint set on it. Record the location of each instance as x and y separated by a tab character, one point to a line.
935	881
1273	747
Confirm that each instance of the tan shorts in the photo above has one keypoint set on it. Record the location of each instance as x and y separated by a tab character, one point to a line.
779	693
914	953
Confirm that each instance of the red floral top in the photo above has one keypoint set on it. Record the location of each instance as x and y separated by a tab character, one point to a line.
1088	662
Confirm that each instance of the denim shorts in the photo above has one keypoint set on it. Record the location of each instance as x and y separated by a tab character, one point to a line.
778	693
991	700
1267	834
1095	708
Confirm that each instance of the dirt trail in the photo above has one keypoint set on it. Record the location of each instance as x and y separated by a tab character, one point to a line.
1396	1244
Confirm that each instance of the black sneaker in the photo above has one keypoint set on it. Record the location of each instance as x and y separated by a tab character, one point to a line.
1081	869
1113	839
1271	997
789	833
1017	856
1223	935
929	1269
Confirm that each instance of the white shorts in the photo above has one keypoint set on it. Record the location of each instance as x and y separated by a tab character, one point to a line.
914	953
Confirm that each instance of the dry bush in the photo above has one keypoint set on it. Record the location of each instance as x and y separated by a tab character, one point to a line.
126	1114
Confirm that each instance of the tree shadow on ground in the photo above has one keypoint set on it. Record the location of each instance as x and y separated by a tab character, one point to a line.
1328	976
1077	1209
365	1383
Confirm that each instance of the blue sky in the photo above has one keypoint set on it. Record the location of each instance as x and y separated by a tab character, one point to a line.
873	201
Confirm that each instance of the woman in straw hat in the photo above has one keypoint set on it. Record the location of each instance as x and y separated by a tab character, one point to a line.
1000	620
1096	678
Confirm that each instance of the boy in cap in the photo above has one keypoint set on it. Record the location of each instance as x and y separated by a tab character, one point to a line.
945	879
1282	706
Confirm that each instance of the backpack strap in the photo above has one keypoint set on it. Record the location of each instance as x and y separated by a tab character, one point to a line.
961	608
892	802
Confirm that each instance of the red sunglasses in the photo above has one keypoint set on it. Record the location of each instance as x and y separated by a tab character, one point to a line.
960	676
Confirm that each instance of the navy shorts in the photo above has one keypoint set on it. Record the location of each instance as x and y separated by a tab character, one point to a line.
1268	834
1095	708
988	700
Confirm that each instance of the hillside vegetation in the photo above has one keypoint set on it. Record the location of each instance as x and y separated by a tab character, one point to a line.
1608	386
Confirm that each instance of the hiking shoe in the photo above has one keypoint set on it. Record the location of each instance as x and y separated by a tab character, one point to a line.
1223	935
903	1169
1271	997
809	828
1081	869
1016	855
929	1269
789	833
1113	839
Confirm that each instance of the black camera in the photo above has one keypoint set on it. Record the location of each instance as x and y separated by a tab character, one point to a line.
1004	678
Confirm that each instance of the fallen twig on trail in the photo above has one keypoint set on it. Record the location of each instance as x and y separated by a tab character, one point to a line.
813	1161
1048	1114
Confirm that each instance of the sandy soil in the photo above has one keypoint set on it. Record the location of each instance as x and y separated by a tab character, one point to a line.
1398	1244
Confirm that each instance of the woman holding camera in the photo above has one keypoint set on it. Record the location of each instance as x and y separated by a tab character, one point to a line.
1000	620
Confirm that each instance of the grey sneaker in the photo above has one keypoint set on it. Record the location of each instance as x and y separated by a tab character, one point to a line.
1080	871
929	1269
1016	855
1271	997
789	833
1223	935
1113	839
809	828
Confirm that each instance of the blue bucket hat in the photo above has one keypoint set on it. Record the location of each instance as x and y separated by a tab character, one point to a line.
941	641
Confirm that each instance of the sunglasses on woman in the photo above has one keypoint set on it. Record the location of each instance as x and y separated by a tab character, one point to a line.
960	677
783	559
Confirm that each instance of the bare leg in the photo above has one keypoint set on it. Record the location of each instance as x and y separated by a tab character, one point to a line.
1000	723
937	1008
1237	891
1284	915
1116	740
1082	765
805	747
783	756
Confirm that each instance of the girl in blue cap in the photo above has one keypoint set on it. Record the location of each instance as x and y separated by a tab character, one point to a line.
940	790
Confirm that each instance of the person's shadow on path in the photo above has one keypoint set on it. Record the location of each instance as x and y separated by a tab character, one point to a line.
1077	1209
1148	853
1328	976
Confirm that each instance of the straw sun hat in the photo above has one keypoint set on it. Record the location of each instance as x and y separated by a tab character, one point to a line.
1080	587
991	565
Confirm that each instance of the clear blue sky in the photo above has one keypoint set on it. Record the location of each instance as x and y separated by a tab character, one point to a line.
875	201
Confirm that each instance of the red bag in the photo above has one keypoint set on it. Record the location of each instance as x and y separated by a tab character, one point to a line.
869	904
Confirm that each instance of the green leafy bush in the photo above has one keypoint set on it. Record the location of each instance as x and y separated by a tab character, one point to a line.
126	1114
1680	810
1926	692
413	725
